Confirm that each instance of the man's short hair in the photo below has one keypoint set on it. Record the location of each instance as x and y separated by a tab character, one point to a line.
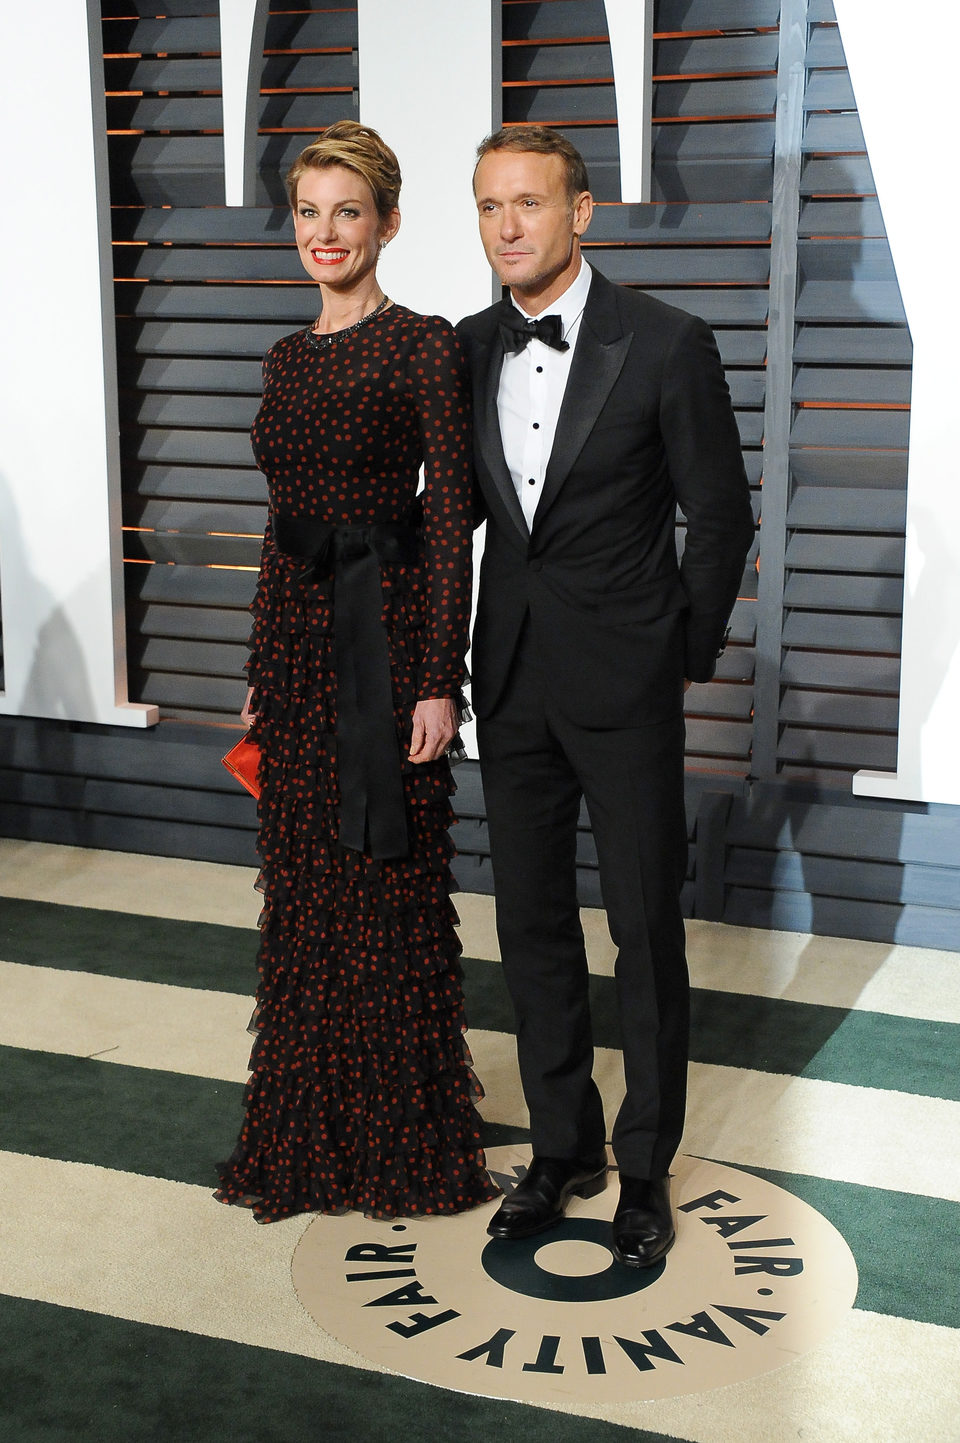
541	140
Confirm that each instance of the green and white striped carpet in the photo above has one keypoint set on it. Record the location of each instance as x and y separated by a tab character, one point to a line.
133	1307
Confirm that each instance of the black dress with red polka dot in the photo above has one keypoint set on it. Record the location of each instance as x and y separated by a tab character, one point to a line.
361	1092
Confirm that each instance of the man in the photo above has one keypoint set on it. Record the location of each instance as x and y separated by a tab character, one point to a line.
597	411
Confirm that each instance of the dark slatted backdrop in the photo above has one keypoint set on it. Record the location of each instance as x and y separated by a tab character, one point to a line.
846	512
763	221
201	292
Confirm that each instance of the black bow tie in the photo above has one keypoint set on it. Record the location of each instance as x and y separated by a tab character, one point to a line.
516	331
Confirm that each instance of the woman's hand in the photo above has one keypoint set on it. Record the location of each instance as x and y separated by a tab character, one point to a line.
247	716
435	724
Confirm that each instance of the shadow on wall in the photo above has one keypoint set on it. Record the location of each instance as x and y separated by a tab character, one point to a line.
840	866
791	868
936	593
816	864
56	682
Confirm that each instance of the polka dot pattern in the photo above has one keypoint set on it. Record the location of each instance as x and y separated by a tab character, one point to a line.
362	1093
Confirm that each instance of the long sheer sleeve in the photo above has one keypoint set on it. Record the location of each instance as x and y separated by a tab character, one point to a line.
440	388
261	607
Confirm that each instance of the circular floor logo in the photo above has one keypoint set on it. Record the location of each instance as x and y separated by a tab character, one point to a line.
755	1279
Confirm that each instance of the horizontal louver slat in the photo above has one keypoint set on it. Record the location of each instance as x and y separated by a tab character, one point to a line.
816	590
879	387
199	657
207	338
207	376
838	509
201	517
828	631
846	750
210	483
214	551
296	304
193	623
673	224
836	877
848	345
809	551
840	672
190	585
535	21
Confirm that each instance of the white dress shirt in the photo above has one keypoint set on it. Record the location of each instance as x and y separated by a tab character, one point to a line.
532	384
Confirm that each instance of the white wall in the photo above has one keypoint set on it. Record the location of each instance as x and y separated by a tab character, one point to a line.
434	120
447	100
61	583
903	73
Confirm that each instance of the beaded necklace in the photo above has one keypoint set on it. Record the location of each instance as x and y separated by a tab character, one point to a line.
321	342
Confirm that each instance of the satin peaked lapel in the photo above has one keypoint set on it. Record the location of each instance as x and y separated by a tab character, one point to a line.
489	443
602	348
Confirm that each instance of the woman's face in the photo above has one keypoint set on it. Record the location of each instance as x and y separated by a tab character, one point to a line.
338	230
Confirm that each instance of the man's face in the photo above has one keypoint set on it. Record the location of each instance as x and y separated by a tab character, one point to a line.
529	227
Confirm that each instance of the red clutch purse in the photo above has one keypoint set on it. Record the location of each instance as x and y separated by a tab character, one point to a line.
243	762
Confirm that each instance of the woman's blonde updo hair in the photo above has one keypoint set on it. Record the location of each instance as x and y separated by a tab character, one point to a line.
357	148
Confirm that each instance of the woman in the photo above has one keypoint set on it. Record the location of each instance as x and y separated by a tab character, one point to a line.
361	1094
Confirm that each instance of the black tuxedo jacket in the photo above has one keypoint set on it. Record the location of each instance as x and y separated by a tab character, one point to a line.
646	425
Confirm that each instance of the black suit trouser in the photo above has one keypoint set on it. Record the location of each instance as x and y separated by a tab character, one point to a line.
536	767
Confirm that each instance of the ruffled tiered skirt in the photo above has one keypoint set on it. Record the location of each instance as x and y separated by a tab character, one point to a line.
362	1094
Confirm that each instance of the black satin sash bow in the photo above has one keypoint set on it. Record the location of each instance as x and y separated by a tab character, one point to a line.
516	330
372	812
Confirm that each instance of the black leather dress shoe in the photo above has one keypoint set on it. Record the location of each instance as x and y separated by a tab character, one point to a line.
538	1201
643	1222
